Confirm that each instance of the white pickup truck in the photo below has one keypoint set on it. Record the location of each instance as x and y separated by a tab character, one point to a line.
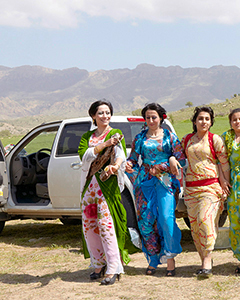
43	182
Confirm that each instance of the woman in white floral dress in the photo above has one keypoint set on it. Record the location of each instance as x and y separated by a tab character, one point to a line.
103	215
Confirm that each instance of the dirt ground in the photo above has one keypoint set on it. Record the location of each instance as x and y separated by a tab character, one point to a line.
44	261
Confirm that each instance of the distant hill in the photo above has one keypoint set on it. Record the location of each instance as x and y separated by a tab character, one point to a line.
31	91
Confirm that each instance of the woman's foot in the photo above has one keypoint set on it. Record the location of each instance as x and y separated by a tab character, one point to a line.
98	273
207	263
150	270
110	279
170	267
205	273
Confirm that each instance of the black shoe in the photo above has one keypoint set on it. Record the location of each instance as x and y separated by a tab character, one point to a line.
108	280
198	271
204	273
95	275
150	271
170	273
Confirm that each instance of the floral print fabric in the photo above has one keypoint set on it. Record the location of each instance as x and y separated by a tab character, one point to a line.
98	226
154	196
234	198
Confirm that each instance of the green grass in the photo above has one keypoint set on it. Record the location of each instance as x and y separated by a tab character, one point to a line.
44	140
11	140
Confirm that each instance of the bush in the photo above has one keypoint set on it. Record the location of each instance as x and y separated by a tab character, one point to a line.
5	133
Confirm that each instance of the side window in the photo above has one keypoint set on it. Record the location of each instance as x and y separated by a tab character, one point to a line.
70	138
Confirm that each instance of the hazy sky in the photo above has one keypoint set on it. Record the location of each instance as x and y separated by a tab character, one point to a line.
112	34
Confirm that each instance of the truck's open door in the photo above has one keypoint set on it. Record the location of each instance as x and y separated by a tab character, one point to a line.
3	177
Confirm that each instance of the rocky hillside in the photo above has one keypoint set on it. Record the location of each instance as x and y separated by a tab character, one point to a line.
31	91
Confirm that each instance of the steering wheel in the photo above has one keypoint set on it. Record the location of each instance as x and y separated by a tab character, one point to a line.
42	163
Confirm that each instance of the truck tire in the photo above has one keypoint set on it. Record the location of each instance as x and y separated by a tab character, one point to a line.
221	222
2	224
127	202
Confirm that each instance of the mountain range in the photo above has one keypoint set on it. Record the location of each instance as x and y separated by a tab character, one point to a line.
35	90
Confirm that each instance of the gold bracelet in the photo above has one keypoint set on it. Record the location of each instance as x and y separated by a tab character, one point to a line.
97	149
116	164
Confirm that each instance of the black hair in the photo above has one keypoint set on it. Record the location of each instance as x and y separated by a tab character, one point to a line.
197	111
94	107
154	106
234	111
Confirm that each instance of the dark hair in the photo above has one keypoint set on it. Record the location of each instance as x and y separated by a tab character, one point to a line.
94	107
197	111
236	110
154	106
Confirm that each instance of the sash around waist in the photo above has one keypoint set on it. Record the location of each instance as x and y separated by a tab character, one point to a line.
148	162
202	182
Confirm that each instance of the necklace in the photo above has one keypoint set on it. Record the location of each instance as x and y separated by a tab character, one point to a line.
237	138
104	131
154	136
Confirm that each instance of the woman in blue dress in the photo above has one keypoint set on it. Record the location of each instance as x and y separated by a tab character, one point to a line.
154	189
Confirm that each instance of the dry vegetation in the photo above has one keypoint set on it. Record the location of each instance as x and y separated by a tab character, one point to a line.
43	260
220	109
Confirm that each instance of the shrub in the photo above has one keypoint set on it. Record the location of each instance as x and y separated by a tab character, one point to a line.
5	133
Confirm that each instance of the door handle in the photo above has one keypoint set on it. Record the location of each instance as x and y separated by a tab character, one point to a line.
76	165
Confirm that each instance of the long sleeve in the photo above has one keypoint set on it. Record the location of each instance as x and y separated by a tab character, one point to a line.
87	156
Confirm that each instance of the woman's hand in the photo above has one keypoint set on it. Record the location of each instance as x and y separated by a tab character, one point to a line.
129	168
111	169
111	142
225	185
174	165
155	171
224	178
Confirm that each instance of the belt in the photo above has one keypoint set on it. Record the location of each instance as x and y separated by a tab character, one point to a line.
201	182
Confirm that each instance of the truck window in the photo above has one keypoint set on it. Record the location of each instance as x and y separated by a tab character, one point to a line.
129	130
70	138
43	140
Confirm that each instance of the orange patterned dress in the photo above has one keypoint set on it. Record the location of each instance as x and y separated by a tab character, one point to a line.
203	194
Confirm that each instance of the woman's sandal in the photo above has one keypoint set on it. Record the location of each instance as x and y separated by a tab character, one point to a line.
110	280
205	273
171	272
150	271
198	272
237	271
